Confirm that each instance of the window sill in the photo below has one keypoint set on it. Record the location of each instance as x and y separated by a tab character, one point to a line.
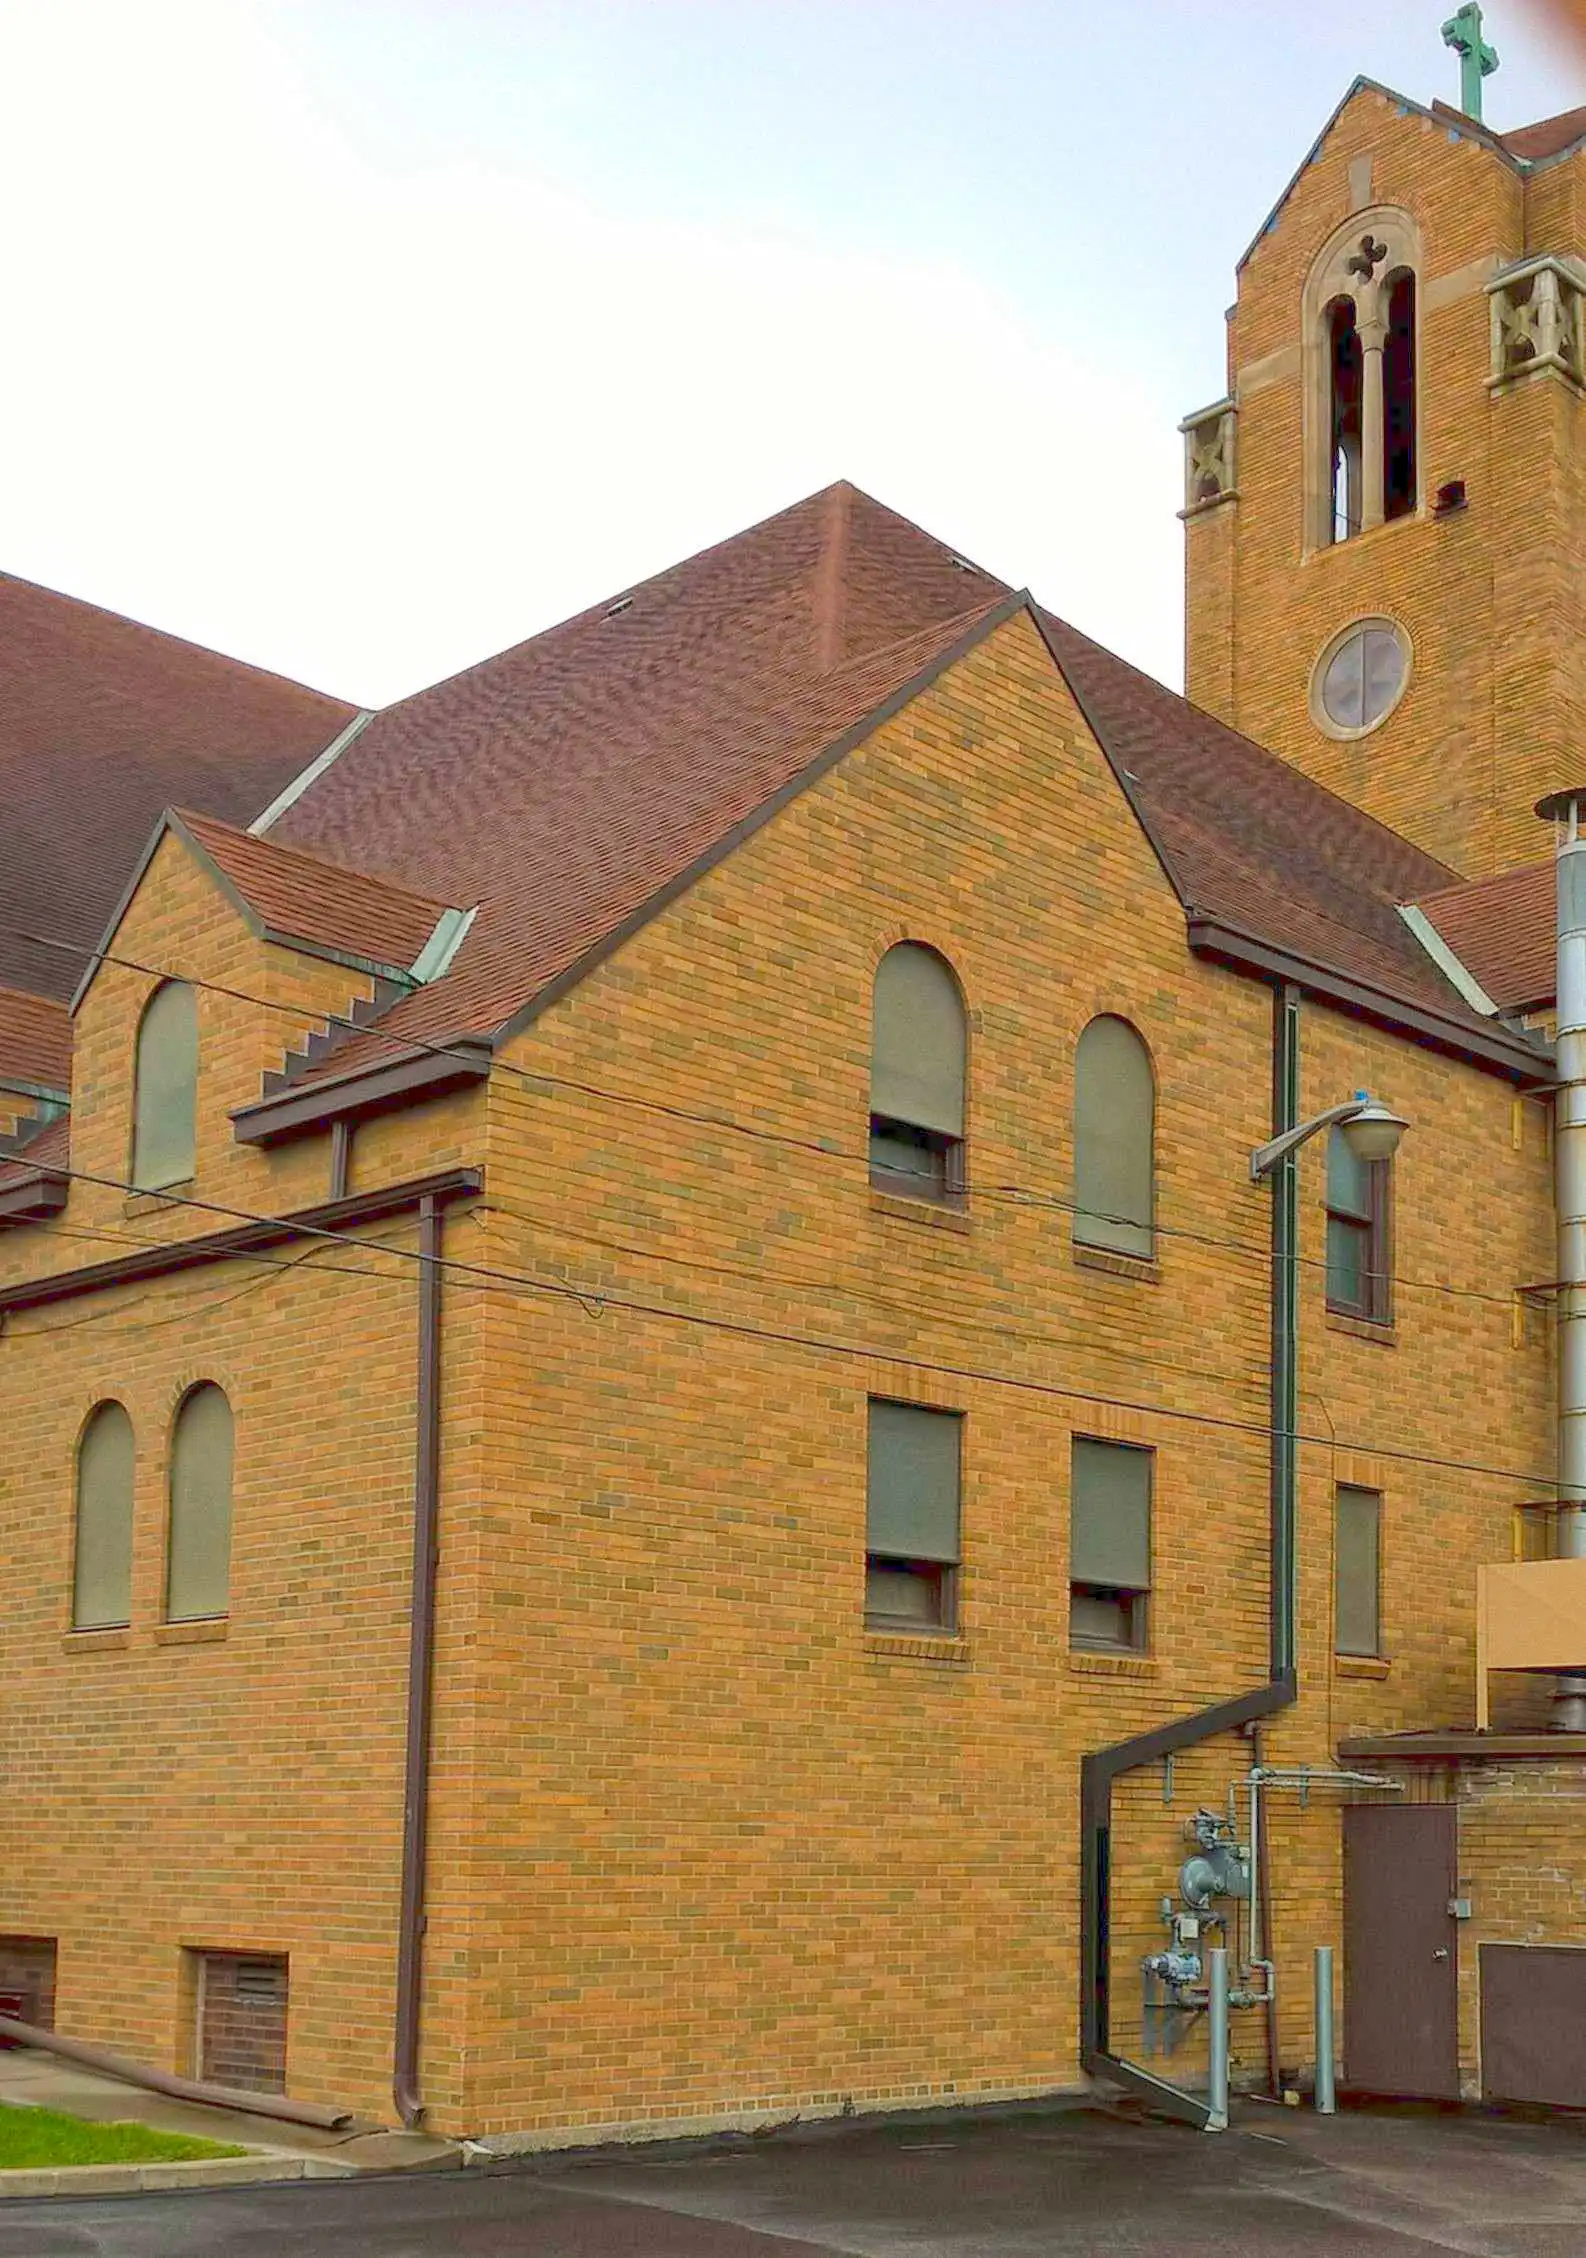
1363	1329
1095	1662
113	1638
202	1633
1367	536
941	1647
1361	1666
934	1214
1146	1269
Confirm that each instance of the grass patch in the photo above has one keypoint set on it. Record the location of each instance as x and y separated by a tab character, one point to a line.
38	2139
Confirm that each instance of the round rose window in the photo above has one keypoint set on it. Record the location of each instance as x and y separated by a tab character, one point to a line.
1360	677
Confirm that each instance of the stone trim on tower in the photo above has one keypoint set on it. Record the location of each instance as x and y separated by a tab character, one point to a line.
1538	309
1210	457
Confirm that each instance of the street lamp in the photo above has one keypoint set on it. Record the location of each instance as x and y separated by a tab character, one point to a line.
1371	1131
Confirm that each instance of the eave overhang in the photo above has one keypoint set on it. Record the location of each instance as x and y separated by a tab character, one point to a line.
238	1240
303	1112
1496	1050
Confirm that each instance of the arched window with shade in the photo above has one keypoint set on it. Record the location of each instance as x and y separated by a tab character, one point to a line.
198	1552
1114	1140
102	1555
918	1053
165	1100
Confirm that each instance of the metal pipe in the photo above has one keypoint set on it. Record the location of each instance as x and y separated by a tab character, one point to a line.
179	2089
1217	2039
1569	1187
1326	2095
1101	1767
421	1671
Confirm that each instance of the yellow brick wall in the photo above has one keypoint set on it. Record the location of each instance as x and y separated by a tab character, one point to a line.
233	1785
733	1852
1489	597
701	1845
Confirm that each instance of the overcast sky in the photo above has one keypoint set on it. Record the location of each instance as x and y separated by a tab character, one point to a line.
362	337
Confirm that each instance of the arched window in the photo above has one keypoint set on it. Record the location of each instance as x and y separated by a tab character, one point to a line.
165	1103
919	1042
1114	1140
198	1556
102	1559
1398	400
1344	394
1358	324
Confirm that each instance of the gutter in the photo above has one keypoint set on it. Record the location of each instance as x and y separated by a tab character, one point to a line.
411	1919
1511	1054
1099	1770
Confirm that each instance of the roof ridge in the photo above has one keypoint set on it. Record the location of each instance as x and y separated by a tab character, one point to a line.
831	580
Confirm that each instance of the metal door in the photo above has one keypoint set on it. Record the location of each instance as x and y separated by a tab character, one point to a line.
1533	2024
1401	1943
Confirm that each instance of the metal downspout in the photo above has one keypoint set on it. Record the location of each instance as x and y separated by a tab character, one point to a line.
1098	1771
421	1658
1569	1191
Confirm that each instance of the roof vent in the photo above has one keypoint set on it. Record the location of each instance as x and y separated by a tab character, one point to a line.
622	604
962	564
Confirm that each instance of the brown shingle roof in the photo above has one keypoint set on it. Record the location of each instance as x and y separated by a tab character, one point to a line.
1502	930
102	724
50	1147
1252	844
570	781
35	1040
1549	137
563	783
302	897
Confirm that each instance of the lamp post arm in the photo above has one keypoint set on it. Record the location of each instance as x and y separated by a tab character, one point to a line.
1266	1157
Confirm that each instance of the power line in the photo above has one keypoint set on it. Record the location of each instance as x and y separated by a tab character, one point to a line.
1020	1196
603	1300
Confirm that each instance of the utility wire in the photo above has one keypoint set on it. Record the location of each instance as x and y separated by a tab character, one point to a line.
1020	1196
602	1300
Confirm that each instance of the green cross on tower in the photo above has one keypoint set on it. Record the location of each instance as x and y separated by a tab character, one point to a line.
1476	59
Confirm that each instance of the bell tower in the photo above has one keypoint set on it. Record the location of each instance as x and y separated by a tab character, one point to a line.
1385	518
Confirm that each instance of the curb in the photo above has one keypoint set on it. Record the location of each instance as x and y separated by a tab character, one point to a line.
134	2179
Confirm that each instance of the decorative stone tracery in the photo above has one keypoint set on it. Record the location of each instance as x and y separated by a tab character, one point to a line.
1538	311
1210	438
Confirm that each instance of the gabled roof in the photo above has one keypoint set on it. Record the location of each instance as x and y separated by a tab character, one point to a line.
576	783
324	906
1502	930
102	724
568	783
1527	145
35	1043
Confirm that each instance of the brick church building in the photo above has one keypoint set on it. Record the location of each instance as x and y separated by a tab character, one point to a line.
664	1457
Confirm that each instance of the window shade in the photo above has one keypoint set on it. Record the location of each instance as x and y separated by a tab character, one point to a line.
1114	1130
102	1569
1356	1553
912	1505
1110	1515
1348	1179
166	1098
917	1042
198	1570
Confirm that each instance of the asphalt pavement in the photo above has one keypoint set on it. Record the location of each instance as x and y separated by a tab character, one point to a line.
1031	2184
